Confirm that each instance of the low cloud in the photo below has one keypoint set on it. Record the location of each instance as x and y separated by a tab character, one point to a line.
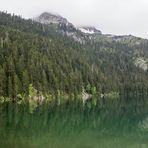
110	16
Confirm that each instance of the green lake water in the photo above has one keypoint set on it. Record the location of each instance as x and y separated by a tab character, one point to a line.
121	123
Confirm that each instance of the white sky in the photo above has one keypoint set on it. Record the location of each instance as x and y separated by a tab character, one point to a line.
110	16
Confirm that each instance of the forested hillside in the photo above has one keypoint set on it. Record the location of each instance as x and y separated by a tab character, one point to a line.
35	53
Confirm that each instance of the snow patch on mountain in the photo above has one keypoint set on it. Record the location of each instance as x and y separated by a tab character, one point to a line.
86	31
89	30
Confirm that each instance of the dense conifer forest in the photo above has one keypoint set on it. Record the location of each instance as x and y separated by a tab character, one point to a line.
33	53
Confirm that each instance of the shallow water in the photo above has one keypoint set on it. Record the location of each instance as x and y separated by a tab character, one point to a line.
111	124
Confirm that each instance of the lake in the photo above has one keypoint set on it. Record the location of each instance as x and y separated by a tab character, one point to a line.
121	123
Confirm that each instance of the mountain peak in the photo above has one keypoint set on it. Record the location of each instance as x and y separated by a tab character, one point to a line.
50	18
47	15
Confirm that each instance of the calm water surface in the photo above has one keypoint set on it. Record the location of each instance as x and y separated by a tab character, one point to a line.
119	123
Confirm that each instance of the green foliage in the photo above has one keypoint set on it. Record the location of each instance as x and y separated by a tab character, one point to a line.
31	53
93	90
32	98
2	99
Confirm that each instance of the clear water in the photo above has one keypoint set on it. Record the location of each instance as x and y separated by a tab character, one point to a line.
111	124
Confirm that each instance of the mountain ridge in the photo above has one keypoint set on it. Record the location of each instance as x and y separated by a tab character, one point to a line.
55	18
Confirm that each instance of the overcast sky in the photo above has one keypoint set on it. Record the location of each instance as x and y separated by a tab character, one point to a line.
110	16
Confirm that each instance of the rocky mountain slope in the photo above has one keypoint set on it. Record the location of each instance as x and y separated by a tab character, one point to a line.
90	32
